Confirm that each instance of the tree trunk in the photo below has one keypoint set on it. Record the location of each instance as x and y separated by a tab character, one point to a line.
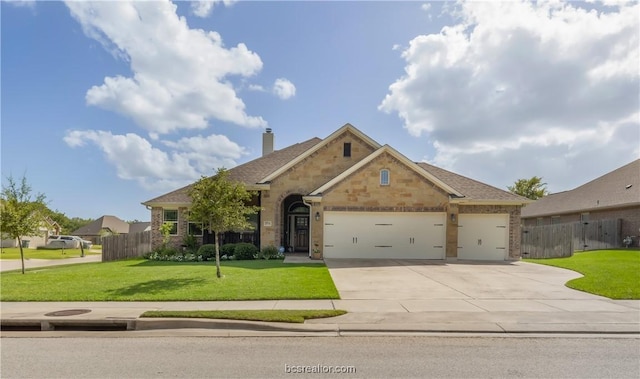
218	274
21	253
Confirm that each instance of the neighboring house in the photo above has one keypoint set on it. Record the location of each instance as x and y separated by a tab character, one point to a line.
137	227
350	197
103	226
615	195
47	228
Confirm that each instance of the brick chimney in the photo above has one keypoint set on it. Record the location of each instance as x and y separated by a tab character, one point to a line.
267	142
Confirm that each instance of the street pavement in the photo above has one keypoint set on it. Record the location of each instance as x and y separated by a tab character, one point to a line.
474	300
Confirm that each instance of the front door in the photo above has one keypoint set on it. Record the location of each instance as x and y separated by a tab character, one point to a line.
300	233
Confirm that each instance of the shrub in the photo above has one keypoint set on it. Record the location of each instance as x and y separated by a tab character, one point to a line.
269	252
191	243
163	253
208	252
228	249
245	251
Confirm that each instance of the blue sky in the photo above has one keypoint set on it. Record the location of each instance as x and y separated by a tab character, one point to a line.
108	104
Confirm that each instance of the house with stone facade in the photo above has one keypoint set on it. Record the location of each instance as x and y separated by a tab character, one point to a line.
347	196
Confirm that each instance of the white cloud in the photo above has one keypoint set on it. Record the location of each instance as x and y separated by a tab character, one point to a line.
208	153
180	75
425	7
526	89
204	8
256	87
136	159
283	88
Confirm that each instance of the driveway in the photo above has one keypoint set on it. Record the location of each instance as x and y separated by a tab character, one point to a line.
382	279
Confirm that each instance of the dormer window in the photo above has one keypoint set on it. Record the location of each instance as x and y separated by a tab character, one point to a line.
384	177
347	149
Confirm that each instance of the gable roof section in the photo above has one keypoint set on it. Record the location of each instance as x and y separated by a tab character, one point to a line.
473	191
345	128
137	227
607	191
112	223
249	173
386	149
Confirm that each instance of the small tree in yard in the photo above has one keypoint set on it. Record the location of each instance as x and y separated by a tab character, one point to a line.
20	214
221	206
532	188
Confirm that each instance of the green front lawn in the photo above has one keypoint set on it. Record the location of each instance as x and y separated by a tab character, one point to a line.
611	273
14	253
142	280
270	315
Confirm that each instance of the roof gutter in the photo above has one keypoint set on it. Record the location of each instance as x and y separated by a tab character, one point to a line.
166	205
465	201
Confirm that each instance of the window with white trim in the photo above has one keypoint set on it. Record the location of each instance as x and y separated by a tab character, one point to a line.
384	177
171	216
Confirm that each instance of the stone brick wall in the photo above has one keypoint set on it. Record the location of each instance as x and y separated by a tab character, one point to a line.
157	220
515	230
407	192
309	174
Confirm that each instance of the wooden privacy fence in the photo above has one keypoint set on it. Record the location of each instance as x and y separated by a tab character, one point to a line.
594	235
125	246
561	240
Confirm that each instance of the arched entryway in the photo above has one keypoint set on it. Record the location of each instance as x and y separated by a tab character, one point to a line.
296	224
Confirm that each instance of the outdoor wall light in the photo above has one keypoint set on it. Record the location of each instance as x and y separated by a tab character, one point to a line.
317	216
453	217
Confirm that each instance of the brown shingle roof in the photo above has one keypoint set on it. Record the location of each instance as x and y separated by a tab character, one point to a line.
112	223
471	189
248	173
607	191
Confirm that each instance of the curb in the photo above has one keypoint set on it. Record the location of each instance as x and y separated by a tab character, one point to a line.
147	324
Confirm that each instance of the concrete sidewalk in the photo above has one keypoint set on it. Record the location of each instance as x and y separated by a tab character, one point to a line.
15	264
365	316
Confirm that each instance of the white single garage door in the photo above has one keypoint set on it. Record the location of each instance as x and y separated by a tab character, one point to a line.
408	235
483	236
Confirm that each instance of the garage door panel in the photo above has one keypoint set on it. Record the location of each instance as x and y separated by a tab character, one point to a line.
384	235
483	236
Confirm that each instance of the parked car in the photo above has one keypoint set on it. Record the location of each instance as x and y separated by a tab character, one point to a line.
68	242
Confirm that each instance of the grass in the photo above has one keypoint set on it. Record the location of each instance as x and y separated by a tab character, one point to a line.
611	273
142	280
270	315
14	253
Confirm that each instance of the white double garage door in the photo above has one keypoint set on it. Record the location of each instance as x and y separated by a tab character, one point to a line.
413	235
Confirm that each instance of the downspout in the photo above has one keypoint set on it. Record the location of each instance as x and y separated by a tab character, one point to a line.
311	220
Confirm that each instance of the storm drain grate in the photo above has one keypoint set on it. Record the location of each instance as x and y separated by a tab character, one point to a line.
68	312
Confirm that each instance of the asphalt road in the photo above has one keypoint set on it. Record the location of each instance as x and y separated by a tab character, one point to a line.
275	357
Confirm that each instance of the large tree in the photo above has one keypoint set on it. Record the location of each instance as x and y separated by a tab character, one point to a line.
20	213
532	188
68	224
221	205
